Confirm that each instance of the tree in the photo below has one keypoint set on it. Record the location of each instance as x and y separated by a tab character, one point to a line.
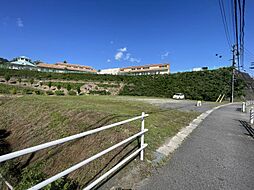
68	87
78	89
19	80
7	77
50	84
59	86
31	81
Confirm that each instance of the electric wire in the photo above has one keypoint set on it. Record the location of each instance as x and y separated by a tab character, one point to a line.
224	21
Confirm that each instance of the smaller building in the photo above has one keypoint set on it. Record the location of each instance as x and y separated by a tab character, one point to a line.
22	62
151	69
62	67
114	71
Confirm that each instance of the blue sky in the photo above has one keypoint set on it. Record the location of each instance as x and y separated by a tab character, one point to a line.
114	33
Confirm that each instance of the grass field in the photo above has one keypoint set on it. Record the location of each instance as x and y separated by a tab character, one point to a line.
32	120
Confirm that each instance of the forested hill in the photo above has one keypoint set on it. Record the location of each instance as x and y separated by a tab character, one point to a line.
201	85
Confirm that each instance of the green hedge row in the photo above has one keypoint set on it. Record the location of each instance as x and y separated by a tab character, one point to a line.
202	85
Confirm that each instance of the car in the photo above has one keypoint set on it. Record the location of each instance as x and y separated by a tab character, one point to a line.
179	96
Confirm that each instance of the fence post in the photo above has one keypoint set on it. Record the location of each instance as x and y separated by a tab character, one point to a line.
251	115
142	139
244	107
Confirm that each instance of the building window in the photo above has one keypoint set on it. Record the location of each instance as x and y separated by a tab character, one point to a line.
146	67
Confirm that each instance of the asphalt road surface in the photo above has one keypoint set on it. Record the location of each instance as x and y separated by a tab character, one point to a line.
219	154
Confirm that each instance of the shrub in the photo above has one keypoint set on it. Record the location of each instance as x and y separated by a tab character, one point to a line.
14	91
31	81
49	92
58	86
19	80
7	77
78	89
72	93
27	91
68	87
38	92
49	84
59	92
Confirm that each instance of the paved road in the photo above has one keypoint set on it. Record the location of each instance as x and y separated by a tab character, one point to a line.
182	105
219	154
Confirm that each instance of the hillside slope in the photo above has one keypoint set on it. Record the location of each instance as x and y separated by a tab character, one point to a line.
202	85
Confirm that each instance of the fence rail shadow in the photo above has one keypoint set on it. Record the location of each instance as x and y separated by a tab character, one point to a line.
248	127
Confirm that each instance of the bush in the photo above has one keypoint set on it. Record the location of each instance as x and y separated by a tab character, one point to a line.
14	91
31	81
7	77
39	92
27	91
49	84
72	93
59	92
49	92
78	89
68	87
58	86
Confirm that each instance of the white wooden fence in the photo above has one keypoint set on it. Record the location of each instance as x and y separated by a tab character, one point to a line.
80	135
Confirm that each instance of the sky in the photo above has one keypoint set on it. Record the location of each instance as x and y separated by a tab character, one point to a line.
119	33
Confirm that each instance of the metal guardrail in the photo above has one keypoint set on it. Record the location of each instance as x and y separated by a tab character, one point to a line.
80	135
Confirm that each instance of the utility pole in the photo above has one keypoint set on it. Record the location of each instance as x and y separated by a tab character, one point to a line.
235	52
233	75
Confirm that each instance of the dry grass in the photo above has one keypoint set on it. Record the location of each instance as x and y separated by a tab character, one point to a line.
37	119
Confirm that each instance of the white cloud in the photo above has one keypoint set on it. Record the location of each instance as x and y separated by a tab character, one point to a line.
124	49
108	60
19	22
134	60
163	56
118	55
123	55
127	56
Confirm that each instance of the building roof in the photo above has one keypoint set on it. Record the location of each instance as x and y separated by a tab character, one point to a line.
64	66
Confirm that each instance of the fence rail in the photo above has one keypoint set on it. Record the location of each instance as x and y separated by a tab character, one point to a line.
80	135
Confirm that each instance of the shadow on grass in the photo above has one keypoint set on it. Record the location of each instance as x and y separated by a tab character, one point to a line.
100	172
248	127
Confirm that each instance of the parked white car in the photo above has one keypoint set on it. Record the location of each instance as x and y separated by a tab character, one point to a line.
179	96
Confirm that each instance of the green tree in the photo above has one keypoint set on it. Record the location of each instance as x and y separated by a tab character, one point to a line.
59	86
68	87
50	84
7	77
78	89
19	80
31	81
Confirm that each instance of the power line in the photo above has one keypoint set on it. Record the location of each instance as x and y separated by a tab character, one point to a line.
249	52
225	23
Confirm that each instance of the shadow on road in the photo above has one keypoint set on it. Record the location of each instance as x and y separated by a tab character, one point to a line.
248	127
